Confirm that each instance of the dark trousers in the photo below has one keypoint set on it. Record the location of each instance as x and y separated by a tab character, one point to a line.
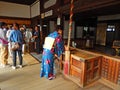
37	49
15	57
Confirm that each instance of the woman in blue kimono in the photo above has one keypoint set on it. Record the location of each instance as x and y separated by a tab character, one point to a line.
59	47
47	67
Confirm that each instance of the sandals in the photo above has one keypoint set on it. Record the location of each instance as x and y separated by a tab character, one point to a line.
52	77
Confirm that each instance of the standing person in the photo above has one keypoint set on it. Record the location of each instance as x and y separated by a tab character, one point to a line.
3	45
28	36
22	30
31	30
9	44
36	36
16	37
47	67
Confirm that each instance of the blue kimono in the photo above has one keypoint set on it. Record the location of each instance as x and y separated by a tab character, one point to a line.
59	47
47	63
47	66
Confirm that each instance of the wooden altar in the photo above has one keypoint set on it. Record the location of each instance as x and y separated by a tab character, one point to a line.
88	67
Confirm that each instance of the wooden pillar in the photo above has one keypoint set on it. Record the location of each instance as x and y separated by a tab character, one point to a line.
67	52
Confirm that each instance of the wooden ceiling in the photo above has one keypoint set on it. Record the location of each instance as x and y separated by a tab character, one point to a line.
25	2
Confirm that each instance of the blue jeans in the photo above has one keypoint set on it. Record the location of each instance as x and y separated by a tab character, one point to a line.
15	57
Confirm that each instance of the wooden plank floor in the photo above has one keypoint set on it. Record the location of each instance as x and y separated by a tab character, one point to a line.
28	78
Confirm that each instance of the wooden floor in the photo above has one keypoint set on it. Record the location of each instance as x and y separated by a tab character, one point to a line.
28	78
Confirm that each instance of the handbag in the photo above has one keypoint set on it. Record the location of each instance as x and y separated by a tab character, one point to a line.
15	46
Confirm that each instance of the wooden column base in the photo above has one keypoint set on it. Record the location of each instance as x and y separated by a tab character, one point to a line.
66	63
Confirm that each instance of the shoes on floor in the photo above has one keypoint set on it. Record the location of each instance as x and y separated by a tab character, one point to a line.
14	67
20	66
52	77
4	65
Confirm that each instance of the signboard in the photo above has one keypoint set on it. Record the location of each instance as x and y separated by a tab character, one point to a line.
48	13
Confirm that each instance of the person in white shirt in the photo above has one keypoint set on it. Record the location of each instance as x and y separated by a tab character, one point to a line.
3	45
9	44
28	36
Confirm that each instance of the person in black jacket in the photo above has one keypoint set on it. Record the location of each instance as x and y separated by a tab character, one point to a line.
36	36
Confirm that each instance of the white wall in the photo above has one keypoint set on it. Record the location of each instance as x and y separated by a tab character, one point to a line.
14	10
35	9
52	26
79	32
66	29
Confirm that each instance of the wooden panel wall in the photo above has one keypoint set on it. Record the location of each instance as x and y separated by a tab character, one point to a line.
20	21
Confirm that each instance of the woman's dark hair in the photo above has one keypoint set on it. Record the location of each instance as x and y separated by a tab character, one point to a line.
58	28
16	24
37	26
2	24
10	27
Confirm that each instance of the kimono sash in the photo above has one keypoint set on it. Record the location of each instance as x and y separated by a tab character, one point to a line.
48	44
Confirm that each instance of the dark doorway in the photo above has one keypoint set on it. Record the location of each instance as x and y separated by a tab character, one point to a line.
110	35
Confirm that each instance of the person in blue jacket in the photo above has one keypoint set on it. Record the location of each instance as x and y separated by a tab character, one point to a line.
16	37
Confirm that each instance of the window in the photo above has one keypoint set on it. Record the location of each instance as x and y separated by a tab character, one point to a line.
111	28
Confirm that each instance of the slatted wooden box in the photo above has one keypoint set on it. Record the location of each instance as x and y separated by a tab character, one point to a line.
85	67
111	69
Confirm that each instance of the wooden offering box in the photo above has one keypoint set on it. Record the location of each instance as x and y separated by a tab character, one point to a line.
84	67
